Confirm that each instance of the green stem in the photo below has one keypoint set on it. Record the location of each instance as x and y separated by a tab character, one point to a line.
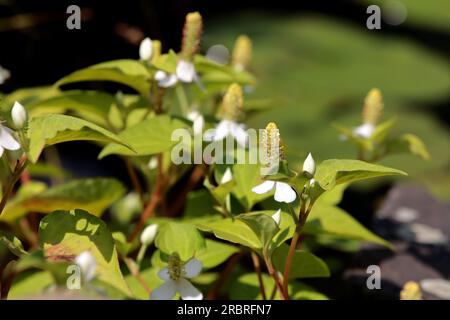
141	254
182	99
20	166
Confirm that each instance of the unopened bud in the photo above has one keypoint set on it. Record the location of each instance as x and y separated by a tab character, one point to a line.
146	49
309	166
277	217
191	35
156	47
18	115
149	234
242	53
373	107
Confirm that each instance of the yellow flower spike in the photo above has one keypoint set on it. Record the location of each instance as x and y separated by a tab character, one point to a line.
270	140
373	107
232	102
175	266
242	53
156	44
191	35
411	291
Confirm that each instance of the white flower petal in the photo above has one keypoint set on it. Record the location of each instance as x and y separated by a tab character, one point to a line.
87	264
1	151
4	75
239	134
264	187
185	71
164	274
364	131
284	193
7	141
227	176
146	49
188	291
198	121
277	217
222	130
149	234
165	292
192	268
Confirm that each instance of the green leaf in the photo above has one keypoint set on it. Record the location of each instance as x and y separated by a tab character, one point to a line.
93	195
128	72
328	219
178	237
247	176
92	105
409	143
214	254
264	227
12	243
335	171
232	230
166	62
150	136
64	235
304	263
26	286
56	128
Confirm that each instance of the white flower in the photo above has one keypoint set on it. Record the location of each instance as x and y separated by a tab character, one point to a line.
364	131
149	234
7	140
312	183
283	191
197	120
153	163
165	80
19	115
228	127
185	71
227	176
174	283
4	74
87	264
309	165
146	49
277	217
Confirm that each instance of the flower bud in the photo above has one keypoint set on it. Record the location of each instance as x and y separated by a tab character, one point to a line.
19	115
231	108
242	53
277	217
309	166
149	234
373	107
227	176
156	49
146	49
87	264
191	35
185	71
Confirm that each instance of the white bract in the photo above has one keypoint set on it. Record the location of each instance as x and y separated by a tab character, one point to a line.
228	127
165	80
176	281
364	131
87	264
283	191
146	49
18	115
277	217
185	71
227	176
4	75
7	141
198	121
149	234
309	165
